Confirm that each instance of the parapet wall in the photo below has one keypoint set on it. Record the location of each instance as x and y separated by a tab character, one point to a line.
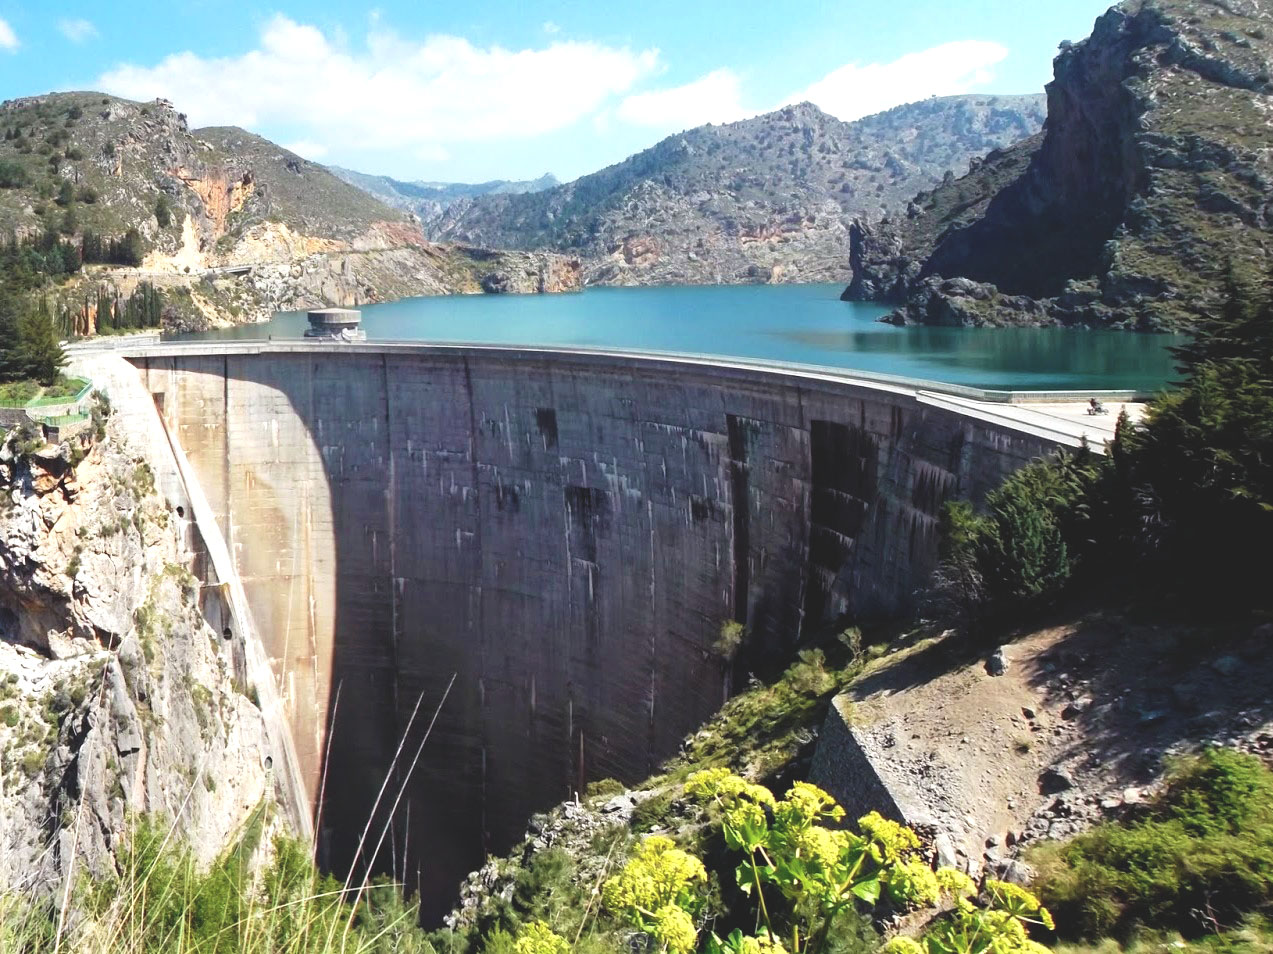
565	533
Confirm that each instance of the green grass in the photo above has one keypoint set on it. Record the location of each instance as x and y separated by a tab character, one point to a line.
30	393
1255	936
162	901
1198	861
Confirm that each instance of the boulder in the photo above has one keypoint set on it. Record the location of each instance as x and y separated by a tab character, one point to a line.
997	664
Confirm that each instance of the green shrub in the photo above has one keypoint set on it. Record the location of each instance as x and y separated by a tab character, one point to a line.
1198	860
1020	554
32	762
730	638
12	175
163	212
604	786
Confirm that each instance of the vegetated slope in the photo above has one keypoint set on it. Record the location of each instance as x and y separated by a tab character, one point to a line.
764	199
1080	728
1153	172
72	163
428	200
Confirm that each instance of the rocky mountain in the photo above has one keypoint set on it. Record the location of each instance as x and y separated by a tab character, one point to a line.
231	225
1153	174
428	200
764	199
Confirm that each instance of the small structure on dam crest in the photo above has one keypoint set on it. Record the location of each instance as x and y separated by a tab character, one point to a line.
336	324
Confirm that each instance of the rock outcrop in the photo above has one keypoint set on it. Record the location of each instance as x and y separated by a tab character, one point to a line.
116	696
1153	172
768	199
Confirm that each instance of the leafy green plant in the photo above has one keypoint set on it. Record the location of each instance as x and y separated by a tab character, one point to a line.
819	870
998	927
803	872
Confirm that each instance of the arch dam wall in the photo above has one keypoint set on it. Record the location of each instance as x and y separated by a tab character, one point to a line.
565	533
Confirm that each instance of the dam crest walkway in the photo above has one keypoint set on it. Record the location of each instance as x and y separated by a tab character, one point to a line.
1060	417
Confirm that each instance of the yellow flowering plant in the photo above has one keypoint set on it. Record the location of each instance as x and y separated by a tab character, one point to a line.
659	891
794	846
820	870
538	938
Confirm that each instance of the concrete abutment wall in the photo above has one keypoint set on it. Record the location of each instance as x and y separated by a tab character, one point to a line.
565	533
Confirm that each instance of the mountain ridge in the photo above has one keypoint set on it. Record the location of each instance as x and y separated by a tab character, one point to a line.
203	202
764	199
427	199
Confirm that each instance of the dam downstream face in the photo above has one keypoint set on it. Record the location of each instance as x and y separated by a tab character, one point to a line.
564	535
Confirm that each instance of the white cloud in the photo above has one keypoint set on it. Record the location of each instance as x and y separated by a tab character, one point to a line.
307	149
550	27
397	94
8	39
713	98
77	30
856	90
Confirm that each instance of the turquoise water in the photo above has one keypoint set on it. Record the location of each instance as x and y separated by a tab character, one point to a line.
801	323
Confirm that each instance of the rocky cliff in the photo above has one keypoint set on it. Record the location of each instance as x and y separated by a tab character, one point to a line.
247	228
1152	174
116	697
765	199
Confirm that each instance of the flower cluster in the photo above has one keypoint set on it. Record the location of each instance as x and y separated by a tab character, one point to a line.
538	938
659	874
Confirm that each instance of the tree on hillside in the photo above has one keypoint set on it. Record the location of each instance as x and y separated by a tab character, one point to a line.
130	251
163	212
39	350
1181	508
10	363
12	175
65	193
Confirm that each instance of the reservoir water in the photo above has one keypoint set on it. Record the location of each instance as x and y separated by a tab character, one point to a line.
807	324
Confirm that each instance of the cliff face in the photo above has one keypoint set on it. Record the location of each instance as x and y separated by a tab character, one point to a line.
767	199
1153	171
116	697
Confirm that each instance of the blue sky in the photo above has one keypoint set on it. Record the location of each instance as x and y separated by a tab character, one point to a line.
506	89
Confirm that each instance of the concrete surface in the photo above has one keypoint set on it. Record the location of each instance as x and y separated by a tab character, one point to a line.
564	531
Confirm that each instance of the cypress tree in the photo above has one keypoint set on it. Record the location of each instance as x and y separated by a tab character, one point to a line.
39	349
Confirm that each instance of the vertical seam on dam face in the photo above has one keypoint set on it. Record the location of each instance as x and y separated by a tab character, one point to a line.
568	534
741	544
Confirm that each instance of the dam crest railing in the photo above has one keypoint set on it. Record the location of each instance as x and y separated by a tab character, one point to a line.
150	346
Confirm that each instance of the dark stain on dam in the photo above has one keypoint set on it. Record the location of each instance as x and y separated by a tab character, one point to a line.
565	534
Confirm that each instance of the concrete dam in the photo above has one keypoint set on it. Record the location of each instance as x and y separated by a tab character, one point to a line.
563	534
